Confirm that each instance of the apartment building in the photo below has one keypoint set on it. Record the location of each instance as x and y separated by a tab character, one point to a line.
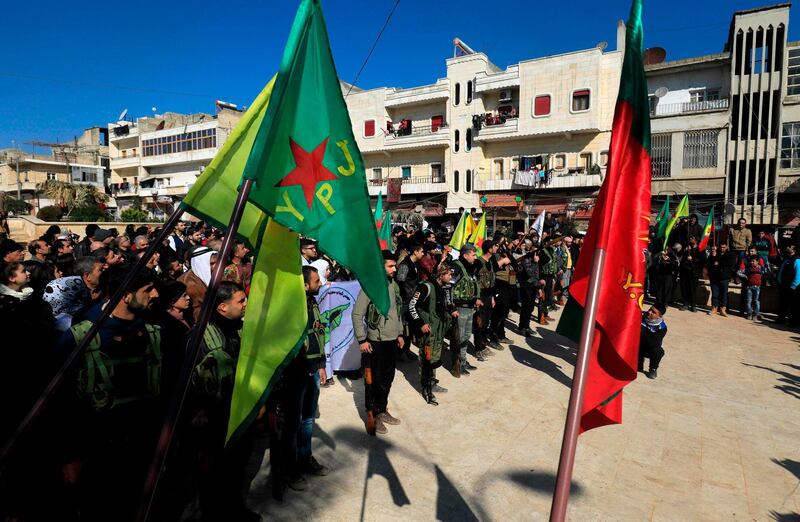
482	136
82	160
155	160
726	127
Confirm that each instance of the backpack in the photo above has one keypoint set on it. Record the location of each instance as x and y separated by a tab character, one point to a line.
96	377
215	366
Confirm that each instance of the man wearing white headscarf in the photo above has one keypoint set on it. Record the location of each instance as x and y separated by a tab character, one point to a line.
202	261
323	268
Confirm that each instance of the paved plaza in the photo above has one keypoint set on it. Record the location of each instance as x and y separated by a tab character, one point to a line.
715	437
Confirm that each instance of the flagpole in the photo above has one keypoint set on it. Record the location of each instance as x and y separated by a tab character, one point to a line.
43	400
569	443
193	349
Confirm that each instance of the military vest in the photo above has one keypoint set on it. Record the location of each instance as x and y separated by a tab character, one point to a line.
466	288
216	365
374	317
317	330
486	275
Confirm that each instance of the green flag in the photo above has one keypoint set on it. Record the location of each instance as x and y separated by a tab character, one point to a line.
379	209
662	219
214	193
463	231
308	171
681	211
277	278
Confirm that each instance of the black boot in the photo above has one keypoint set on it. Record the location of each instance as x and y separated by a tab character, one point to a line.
431	397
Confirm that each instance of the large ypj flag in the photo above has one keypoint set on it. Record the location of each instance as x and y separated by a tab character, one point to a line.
463	231
681	212
307	169
662	219
619	225
271	333
479	235
707	231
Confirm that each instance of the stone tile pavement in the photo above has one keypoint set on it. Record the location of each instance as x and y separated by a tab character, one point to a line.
714	438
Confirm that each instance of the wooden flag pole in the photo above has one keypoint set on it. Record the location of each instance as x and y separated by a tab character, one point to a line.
566	462
73	357
193	349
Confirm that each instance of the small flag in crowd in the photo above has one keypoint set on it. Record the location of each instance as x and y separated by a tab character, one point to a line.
663	219
681	211
463	231
479	235
707	231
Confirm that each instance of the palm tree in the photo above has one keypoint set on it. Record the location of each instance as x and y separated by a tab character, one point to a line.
69	195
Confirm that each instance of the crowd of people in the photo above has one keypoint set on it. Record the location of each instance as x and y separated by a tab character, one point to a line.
443	301
676	267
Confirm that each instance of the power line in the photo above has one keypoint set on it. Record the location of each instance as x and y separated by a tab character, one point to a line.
374	44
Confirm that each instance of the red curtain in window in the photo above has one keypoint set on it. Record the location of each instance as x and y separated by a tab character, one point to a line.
541	106
369	128
436	122
580	93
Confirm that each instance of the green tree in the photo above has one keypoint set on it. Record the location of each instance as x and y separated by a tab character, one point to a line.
135	214
88	213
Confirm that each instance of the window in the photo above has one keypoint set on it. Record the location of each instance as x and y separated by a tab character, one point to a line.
701	95
188	141
790	145
497	169
604	158
455	181
468	182
457	96
88	177
661	152
436	173
437	122
51	176
469	92
580	100
369	128
377	173
560	162
652	101
585	161
456	143
468	140
793	88
541	105
406	172
700	149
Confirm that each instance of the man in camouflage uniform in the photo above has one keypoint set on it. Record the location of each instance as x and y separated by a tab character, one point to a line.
432	310
466	296
483	315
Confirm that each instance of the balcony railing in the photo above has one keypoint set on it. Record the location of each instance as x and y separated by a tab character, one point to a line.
416	130
671	109
414	180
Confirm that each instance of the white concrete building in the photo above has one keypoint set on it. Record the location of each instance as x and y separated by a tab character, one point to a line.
480	136
726	127
155	160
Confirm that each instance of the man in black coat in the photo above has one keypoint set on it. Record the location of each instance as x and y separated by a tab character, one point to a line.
654	329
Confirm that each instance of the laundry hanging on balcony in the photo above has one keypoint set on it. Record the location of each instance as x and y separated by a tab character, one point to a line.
533	171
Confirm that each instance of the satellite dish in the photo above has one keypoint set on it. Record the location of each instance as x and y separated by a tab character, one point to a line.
122	115
654	55
154	109
730	210
602	45
661	92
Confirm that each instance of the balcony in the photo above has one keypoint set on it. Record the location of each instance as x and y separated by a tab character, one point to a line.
413	185
507	79
418	95
499	131
124	189
126	160
524	181
418	136
123	132
675	109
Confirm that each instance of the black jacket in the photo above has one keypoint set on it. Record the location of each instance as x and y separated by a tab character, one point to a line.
407	278
721	266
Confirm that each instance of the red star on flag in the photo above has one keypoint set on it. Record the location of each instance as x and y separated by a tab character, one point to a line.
308	170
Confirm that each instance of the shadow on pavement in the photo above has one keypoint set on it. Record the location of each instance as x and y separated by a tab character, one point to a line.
784	517
356	388
537	362
792	466
791	382
554	344
450	505
542	482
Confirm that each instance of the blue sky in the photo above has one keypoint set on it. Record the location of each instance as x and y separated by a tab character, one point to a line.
70	65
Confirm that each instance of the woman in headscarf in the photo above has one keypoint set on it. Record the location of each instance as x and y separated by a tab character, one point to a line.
173	313
201	261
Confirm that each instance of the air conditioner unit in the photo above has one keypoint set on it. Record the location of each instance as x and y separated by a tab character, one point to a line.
505	95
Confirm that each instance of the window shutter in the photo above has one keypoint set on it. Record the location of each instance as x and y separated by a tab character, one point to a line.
541	106
369	128
436	122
